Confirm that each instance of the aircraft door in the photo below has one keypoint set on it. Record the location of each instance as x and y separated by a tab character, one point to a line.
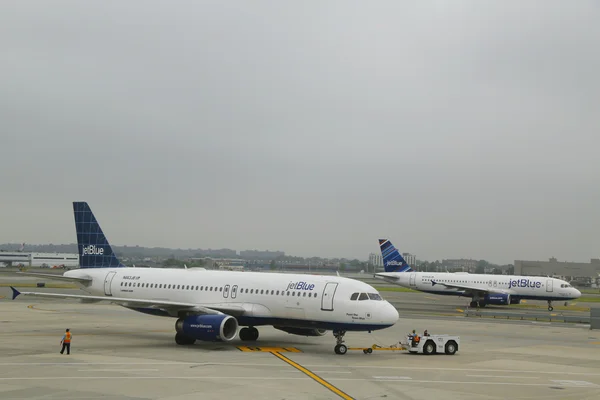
107	281
549	285
412	279
234	291
226	291
327	296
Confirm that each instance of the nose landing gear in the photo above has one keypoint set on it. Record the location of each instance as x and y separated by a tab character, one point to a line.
340	347
550	308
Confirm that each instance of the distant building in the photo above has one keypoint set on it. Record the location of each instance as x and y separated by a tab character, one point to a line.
261	255
375	260
410	259
462	264
39	259
553	267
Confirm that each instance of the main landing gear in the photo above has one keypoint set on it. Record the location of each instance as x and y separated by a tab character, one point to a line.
249	334
550	308
475	304
340	347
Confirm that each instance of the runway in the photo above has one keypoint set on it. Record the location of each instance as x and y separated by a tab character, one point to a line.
120	354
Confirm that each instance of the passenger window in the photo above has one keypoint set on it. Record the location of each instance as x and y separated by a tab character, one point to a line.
278	293
272	292
288	293
220	289
293	293
261	292
251	291
363	296
354	296
304	294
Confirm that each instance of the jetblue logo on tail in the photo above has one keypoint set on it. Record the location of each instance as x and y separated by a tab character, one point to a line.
392	259
93	246
92	250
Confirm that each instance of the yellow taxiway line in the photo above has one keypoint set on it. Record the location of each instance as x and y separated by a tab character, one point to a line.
313	376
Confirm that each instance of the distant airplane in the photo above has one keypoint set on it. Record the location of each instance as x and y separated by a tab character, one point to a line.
210	305
482	288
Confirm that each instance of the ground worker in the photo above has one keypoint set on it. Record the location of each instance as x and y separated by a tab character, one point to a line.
415	339
66	342
425	333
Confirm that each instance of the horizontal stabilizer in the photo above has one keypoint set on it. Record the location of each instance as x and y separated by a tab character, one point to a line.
56	277
387	275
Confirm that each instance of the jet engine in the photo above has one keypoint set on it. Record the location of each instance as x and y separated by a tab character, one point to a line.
209	328
302	331
497	299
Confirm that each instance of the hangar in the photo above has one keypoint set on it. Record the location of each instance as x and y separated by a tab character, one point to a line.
39	259
553	267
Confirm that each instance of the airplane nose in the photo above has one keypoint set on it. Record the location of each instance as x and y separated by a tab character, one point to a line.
577	293
389	314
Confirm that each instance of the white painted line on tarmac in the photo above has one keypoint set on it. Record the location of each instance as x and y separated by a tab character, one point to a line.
392	377
233	364
504	376
332	372
115	370
454	382
575	383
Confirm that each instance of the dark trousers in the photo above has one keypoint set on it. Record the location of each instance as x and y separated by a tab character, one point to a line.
66	346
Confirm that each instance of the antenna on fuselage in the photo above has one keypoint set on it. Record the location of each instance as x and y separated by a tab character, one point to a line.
185	266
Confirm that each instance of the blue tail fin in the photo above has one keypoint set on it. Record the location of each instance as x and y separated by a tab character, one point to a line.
392	259
94	249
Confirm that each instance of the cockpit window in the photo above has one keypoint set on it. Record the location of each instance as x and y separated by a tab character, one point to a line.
375	296
363	296
565	285
354	296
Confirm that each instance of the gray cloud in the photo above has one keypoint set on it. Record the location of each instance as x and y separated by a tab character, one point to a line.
467	130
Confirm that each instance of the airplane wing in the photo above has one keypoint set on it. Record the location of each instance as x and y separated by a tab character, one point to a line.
471	288
171	306
57	277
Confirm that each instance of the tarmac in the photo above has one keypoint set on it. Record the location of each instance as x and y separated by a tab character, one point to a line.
121	354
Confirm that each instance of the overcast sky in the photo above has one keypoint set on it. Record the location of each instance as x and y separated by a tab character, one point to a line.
456	129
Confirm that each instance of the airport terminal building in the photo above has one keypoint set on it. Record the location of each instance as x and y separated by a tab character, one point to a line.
553	267
49	260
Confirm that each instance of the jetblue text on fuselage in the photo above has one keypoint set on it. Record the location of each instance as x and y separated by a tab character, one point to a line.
92	250
524	283
300	286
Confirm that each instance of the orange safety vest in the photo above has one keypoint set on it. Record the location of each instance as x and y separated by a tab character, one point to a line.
68	337
417	339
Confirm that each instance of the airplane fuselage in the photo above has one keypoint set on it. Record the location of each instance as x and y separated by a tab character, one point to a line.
518	287
293	300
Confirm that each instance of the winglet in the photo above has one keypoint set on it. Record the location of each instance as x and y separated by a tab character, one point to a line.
15	292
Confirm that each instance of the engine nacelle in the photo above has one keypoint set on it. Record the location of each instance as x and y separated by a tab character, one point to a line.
497	298
302	331
208	328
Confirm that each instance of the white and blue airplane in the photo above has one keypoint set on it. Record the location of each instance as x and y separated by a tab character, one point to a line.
483	289
211	305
